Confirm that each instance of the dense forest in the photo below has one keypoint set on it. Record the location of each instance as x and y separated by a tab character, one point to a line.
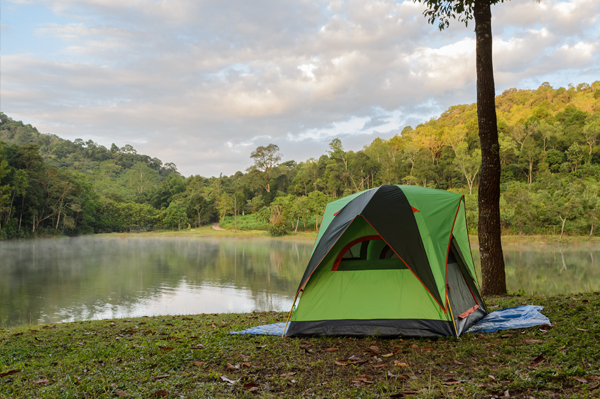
548	146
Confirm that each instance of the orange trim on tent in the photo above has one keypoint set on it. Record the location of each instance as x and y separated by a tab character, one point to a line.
409	268
309	276
414	209
449	243
448	251
468	312
347	247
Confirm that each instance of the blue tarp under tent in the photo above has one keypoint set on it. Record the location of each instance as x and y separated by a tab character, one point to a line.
504	319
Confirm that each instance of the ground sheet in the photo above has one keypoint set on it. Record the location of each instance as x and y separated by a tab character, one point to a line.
504	319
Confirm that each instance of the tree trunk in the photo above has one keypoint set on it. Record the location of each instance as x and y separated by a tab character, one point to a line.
562	229
490	244
57	220
591	232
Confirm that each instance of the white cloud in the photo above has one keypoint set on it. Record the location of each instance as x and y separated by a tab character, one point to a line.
202	84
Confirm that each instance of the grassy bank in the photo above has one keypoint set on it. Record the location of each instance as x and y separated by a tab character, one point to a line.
193	356
208	231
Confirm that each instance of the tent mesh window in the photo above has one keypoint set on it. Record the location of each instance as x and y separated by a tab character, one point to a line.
367	253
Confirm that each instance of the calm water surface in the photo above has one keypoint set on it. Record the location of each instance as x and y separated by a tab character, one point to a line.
70	279
95	277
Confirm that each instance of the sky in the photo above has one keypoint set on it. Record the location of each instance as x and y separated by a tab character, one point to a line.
203	83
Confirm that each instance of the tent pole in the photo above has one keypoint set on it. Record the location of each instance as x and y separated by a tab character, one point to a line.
451	314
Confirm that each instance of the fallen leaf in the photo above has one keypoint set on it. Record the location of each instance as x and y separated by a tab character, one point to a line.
10	372
246	364
198	346
388	355
161	392
532	341
232	367
165	348
451	382
492	377
580	379
340	362
374	349
261	346
457	362
414	346
251	386
360	381
159	377
223	378
305	346
581	329
121	393
45	382
199	363
379	366
538	359
287	374
403	394
400	364
427	348
506	394
332	349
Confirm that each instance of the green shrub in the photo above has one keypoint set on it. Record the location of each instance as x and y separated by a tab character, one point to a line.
277	230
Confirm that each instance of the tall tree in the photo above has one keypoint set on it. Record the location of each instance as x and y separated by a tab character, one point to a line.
265	160
490	244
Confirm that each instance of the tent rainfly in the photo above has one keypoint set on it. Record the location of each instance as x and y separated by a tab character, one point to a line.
391	261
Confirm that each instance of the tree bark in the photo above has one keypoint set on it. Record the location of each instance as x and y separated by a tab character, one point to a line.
490	245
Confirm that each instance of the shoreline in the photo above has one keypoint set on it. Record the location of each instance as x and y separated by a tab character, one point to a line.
208	231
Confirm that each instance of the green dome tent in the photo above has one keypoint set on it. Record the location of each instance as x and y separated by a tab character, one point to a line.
390	261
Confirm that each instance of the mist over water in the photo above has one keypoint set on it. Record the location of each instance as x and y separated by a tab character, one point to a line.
549	269
97	277
68	279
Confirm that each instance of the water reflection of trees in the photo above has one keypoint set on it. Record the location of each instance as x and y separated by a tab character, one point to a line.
82	277
551	270
87	276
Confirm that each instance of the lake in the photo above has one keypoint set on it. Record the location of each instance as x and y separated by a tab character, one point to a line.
53	280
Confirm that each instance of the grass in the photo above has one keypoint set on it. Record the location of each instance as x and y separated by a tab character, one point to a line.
195	357
208	231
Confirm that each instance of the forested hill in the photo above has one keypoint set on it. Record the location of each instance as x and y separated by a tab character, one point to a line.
549	153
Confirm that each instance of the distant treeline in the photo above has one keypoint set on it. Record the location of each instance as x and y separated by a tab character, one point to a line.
548	149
